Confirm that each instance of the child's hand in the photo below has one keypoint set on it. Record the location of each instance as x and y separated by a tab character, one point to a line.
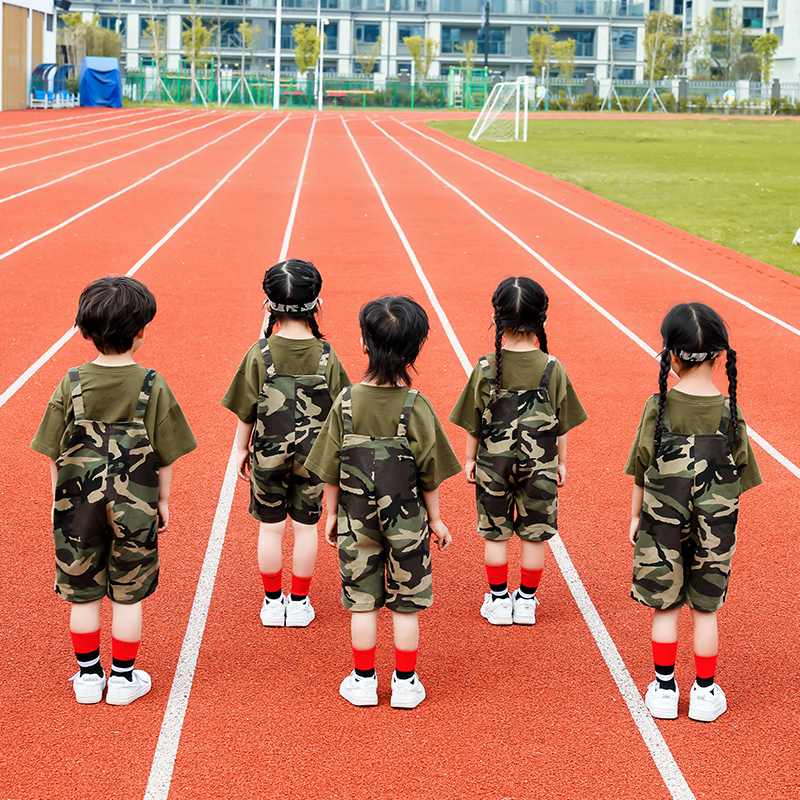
633	530
163	515
469	470
561	477
243	464
331	530
438	531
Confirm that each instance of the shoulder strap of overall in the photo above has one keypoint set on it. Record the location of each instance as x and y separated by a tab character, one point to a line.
267	356
144	395
665	418
725	419
405	416
347	410
77	394
489	375
548	371
323	359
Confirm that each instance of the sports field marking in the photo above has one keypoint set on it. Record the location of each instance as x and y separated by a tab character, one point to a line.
110	160
86	119
169	738
174	121
651	735
121	192
609	232
769	448
47	122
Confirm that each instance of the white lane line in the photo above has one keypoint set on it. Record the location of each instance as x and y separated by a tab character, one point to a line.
769	448
65	177
160	779
50	122
30	371
665	261
121	192
651	735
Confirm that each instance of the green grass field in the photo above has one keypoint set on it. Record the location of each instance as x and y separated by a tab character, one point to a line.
732	181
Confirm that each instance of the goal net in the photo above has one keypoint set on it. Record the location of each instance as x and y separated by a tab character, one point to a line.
504	116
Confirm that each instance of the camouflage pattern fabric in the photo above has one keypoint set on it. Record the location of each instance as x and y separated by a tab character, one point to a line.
687	530
517	462
105	516
382	522
290	413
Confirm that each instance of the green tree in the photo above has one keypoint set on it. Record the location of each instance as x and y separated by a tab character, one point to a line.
766	46
306	46
662	45
470	50
249	34
540	48
720	43
564	55
82	38
196	40
368	58
423	52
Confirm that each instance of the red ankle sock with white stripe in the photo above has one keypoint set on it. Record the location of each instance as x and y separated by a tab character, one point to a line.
497	575
664	654
529	582
87	651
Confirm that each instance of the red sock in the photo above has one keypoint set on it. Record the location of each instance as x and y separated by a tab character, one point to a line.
364	660
497	574
300	586
531	578
272	583
85	642
706	667
665	653
405	662
124	651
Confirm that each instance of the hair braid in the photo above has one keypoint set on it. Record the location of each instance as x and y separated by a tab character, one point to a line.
273	318
314	325
663	374
730	368
498	349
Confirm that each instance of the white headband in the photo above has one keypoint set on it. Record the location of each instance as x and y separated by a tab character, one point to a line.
283	308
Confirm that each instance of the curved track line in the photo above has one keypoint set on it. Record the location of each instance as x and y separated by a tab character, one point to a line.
46	122
169	737
651	735
769	448
609	232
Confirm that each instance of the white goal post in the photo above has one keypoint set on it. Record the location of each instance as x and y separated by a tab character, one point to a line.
504	116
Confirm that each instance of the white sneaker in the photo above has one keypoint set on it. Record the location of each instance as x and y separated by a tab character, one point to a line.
498	611
273	612
121	692
360	691
408	693
524	609
706	703
661	703
299	613
88	688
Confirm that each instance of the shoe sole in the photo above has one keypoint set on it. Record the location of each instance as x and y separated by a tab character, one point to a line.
518	620
303	623
360	704
89	700
706	717
128	699
657	713
407	704
503	621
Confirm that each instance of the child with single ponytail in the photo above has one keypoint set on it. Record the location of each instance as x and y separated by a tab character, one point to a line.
691	460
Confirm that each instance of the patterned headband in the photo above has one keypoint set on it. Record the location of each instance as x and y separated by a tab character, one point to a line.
283	308
695	357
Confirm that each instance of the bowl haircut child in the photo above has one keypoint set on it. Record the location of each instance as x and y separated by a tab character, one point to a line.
292	288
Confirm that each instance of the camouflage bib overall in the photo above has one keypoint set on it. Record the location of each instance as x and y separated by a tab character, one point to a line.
382	523
517	462
687	532
291	410
105	513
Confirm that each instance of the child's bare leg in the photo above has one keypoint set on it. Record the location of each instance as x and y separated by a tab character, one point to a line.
406	630
706	645
304	556
532	555
364	629
84	617
665	649
126	635
270	542
360	687
665	625
84	627
495	556
407	689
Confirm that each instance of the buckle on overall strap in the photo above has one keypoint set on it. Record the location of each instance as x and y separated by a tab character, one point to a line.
405	414
269	363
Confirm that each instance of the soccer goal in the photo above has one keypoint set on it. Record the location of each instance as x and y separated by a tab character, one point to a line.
504	116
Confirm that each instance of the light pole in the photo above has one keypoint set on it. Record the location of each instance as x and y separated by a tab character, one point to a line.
276	86
321	34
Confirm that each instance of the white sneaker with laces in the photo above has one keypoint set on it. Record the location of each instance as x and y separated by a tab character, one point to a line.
273	612
408	693
88	688
498	610
299	613
360	691
121	692
661	703
707	703
524	609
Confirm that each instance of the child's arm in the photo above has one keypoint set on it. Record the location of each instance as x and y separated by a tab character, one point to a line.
53	479
244	431
636	512
332	501
561	478
437	528
164	482
472	451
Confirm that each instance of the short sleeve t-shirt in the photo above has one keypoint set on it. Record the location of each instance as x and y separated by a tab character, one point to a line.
291	357
691	414
110	394
376	412
522	370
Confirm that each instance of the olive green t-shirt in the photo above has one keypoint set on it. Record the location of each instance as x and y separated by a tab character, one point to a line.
291	357
522	370
690	414
110	394
376	412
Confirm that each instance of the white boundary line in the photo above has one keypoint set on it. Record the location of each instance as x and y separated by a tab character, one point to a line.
160	779
609	232
769	448
651	735
49	122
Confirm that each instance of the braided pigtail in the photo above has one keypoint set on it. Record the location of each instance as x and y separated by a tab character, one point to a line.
663	374
730	368
498	357
273	318
314	326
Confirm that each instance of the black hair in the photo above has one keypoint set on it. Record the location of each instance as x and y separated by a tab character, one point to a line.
292	285
112	311
520	304
694	329
394	330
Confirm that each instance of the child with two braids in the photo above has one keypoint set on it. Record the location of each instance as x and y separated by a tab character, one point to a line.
282	393
691	459
517	408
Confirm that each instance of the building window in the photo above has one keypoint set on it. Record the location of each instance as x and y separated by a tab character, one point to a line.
753	18
623	39
624	73
359	70
404	31
772	7
331	4
50	23
144	24
677	8
450	38
584	41
331	31
450	5
497	42
367	34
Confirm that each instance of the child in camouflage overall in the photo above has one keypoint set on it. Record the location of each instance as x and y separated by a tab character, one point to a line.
282	393
517	408
383	454
112	430
691	460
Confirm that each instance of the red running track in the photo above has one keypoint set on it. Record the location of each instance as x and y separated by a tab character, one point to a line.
511	713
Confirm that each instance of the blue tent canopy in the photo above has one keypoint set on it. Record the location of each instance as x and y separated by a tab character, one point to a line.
100	82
